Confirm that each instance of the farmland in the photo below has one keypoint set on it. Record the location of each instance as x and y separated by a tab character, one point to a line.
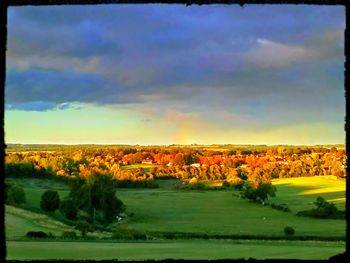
219	212
209	212
208	219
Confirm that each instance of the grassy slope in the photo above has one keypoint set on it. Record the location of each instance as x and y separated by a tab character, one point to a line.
299	193
184	249
18	222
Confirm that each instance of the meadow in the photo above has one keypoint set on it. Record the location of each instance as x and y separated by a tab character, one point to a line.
179	249
211	212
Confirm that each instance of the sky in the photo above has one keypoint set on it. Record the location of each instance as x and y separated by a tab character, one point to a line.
159	74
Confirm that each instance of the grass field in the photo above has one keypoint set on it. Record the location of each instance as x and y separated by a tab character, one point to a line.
184	249
299	193
215	212
169	210
218	212
19	221
146	167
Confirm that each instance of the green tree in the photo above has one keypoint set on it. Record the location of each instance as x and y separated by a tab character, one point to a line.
84	227
289	231
80	193
15	196
103	197
68	209
325	208
97	195
264	191
50	201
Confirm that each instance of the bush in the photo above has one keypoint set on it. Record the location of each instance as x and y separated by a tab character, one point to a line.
50	201
226	184
7	187
282	207
69	235
50	235
259	194
16	196
69	209
323	209
289	231
136	184
84	227
36	234
129	234
169	235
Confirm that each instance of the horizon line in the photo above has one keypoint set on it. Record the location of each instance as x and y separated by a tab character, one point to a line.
173	144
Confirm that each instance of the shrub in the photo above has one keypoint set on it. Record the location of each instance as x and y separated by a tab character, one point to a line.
323	209
258	194
7	187
129	234
69	235
69	209
50	235
15	196
169	235
50	201
193	181
282	207
36	234
84	227
226	184
136	184
289	231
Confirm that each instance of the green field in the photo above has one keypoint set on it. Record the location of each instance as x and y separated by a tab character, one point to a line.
219	212
196	211
19	221
215	212
299	193
146	167
184	249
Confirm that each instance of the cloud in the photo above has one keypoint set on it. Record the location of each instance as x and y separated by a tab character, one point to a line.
270	54
41	106
60	87
211	61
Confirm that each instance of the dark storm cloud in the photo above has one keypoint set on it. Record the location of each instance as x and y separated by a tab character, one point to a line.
208	55
50	88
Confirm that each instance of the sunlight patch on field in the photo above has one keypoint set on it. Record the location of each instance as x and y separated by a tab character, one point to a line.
311	181
135	166
325	190
316	185
342	199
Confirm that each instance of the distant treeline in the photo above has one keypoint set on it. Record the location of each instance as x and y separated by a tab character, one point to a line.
186	164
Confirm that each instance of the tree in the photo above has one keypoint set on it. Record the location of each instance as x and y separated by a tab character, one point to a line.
80	193
289	231
103	197
97	195
261	193
84	227
264	190
325	208
15	196
179	160
68	209
50	201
